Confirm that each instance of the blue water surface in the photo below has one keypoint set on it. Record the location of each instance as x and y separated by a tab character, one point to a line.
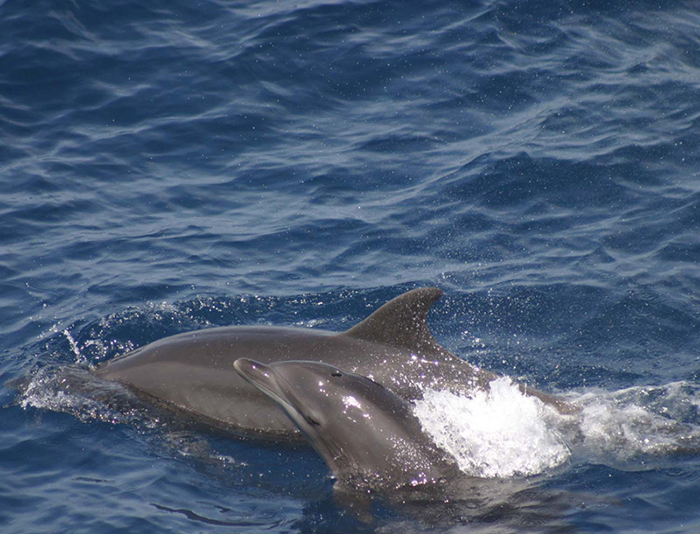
169	166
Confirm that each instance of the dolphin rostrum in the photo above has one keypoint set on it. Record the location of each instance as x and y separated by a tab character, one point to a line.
193	372
368	436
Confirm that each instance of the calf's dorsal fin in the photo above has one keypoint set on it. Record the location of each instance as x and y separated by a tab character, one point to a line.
401	322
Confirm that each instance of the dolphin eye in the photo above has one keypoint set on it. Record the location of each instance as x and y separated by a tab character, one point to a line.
312	421
336	373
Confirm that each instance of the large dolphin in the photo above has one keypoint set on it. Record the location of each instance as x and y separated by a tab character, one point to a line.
194	371
368	436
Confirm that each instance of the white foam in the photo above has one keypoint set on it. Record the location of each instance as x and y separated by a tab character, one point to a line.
626	427
495	433
74	390
503	433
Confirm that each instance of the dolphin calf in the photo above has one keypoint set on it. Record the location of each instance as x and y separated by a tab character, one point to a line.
193	372
367	435
376	449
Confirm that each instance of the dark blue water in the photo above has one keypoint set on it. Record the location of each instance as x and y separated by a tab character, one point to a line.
167	166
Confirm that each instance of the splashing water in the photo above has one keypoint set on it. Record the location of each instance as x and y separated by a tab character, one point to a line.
504	433
75	390
628	426
493	433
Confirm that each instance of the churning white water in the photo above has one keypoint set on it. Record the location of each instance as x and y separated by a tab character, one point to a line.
504	433
495	433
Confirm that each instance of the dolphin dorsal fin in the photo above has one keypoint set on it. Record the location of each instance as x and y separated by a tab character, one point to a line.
401	322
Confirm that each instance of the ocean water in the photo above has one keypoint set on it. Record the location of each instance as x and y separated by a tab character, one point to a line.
170	166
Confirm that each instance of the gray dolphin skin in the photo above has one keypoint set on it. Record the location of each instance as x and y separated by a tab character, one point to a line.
193	372
367	435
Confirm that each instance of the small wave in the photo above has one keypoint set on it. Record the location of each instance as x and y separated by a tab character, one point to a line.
504	433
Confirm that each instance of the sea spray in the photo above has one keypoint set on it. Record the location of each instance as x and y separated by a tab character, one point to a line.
503	433
494	433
